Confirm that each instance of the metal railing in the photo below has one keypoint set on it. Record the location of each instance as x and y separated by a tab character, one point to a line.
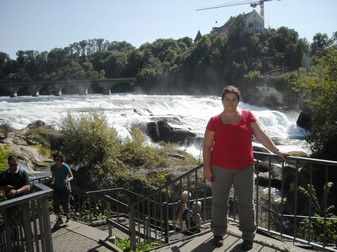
290	204
304	210
287	203
25	222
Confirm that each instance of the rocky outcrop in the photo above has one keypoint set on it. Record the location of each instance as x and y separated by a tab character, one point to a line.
304	121
162	131
32	157
36	124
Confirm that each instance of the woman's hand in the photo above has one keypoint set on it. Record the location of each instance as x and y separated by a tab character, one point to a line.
282	155
208	174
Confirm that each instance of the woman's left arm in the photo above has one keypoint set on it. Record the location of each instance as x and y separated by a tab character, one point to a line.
70	177
70	174
265	140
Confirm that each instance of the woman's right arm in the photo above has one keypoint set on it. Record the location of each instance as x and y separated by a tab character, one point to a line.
180	214
207	152
52	180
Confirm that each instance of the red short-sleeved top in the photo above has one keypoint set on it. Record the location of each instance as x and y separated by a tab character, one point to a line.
233	147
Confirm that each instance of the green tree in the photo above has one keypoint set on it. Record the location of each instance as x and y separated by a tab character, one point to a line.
114	65
287	49
319	87
6	66
57	58
321	42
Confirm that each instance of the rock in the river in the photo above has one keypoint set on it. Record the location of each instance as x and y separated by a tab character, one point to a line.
162	131
304	121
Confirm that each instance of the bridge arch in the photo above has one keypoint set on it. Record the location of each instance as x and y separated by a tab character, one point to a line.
46	90
121	87
24	91
81	87
95	88
4	92
69	89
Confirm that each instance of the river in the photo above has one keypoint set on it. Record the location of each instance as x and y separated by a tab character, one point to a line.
124	111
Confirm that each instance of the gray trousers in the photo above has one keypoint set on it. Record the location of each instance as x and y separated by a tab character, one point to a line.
242	180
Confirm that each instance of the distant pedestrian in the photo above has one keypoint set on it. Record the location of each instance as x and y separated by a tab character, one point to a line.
61	177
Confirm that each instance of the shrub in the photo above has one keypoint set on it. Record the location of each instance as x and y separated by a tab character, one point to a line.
5	129
89	141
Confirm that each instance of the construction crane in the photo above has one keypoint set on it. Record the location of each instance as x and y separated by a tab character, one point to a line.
253	3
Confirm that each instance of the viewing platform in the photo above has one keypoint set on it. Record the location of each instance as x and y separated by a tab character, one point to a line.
79	237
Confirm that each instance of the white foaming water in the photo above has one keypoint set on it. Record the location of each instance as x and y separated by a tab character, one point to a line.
124	111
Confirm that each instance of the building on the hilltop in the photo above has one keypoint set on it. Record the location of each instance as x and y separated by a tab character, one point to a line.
198	37
254	23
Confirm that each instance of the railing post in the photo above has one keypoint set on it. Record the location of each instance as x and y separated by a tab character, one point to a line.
108	205
166	226
28	236
90	218
46	225
132	227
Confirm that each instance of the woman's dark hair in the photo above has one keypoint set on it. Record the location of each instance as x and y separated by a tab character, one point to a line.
12	157
232	90
58	155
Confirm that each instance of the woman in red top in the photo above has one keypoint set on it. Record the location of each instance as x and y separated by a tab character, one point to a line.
228	160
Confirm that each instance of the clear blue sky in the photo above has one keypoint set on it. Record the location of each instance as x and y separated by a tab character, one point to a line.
42	25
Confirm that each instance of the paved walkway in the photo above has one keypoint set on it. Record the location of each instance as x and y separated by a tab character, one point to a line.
232	243
79	237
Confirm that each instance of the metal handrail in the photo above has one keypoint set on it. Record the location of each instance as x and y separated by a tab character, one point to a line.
163	224
152	218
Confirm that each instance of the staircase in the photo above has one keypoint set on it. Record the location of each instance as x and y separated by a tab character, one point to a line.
152	219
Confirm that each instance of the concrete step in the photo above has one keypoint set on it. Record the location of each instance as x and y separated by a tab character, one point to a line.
203	242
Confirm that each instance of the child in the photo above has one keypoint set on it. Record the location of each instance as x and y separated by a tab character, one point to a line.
196	218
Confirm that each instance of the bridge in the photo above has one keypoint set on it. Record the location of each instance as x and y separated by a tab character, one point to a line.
81	87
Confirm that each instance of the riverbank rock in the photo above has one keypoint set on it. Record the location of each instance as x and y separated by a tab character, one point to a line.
162	131
32	156
304	121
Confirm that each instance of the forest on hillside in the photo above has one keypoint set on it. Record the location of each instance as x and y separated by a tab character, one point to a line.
174	66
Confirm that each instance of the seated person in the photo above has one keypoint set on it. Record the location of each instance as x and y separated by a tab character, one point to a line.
196	218
182	211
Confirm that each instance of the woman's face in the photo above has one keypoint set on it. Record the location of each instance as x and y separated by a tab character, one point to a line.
185	199
230	102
